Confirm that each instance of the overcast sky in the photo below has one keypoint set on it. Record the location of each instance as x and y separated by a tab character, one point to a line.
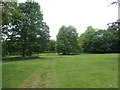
78	13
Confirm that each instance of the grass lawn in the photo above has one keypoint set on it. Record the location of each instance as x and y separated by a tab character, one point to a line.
56	71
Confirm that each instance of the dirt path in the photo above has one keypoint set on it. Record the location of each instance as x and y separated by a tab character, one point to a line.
32	81
41	78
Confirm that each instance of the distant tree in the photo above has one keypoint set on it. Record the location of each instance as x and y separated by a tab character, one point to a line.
88	35
51	46
115	41
100	41
67	42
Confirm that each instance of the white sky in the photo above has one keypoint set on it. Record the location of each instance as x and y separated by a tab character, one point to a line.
78	13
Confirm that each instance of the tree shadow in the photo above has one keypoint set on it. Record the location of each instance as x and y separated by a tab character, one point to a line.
6	59
68	54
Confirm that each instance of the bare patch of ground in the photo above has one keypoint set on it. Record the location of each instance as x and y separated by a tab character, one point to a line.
31	81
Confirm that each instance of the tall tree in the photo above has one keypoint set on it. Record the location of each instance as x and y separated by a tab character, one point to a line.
85	38
28	31
67	41
35	32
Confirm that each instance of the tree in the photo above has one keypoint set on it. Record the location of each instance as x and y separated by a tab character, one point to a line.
100	41
9	10
27	31
67	42
51	46
35	32
115	41
85	38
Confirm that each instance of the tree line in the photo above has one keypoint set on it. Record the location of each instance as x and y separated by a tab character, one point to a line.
25	33
91	41
100	41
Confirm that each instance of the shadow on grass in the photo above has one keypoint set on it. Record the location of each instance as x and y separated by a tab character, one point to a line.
68	54
20	58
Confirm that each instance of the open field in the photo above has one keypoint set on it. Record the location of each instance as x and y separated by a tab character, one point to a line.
56	71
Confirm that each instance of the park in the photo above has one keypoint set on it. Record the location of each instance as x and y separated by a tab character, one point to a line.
32	59
52	71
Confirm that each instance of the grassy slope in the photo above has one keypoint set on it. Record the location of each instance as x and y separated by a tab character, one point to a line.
51	71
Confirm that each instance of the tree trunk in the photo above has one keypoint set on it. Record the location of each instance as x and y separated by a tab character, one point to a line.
30	52
23	52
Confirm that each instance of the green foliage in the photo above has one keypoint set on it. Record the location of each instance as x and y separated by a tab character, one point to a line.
35	32
67	41
51	46
24	28
9	32
88	34
100	41
116	38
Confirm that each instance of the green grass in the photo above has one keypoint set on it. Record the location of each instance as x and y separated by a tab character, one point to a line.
49	70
